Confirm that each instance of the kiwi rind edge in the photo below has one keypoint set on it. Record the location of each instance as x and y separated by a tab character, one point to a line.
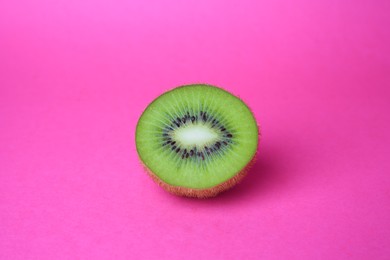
203	193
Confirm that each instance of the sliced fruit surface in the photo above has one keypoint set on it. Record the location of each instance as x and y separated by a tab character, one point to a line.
196	136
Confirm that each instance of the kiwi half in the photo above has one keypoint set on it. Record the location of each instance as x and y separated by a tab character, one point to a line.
197	140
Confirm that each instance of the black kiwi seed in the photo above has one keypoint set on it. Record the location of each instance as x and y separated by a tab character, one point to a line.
173	147
224	142
177	150
193	119
187	155
173	143
223	129
229	135
179	120
191	152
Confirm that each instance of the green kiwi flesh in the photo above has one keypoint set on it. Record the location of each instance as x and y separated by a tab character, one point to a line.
195	138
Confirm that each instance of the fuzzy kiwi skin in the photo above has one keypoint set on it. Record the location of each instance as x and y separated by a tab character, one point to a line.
202	193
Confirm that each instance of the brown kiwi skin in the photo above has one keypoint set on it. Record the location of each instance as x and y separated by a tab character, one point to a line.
203	193
212	191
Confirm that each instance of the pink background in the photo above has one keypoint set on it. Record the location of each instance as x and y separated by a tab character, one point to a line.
76	75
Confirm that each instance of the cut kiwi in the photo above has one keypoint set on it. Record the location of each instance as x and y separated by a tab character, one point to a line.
197	140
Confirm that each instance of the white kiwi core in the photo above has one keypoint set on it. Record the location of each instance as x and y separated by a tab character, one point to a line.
196	135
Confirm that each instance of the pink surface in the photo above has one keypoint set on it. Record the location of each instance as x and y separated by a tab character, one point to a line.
76	75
